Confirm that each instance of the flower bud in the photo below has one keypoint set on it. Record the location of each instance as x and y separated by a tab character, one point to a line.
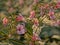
20	18
32	14
5	21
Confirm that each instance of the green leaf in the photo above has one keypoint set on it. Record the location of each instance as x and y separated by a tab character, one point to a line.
49	31
29	28
45	33
16	42
4	32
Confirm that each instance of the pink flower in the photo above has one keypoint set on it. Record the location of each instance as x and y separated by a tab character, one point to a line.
20	29
32	14
35	37
21	2
52	17
51	14
20	18
5	21
58	5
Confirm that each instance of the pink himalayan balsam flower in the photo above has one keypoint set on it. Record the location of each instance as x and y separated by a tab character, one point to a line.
52	17
58	4
21	2
20	29
51	14
20	18
5	21
35	37
51	11
32	14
